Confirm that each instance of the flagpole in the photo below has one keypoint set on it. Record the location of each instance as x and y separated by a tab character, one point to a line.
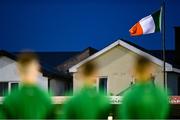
164	44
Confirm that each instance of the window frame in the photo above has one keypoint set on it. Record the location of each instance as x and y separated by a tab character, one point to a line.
98	82
9	85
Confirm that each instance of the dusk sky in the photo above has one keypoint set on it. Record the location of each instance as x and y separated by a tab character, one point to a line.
72	25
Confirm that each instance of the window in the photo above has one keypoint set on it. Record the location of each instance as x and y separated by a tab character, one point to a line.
6	87
3	88
153	79
103	84
13	85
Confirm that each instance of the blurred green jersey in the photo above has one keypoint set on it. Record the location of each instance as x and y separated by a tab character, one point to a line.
2	114
144	100
86	104
27	102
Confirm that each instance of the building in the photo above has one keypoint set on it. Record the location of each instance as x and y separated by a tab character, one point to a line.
177	51
8	74
59	69
115	62
54	70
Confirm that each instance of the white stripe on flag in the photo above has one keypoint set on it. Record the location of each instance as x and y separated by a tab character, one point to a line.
147	24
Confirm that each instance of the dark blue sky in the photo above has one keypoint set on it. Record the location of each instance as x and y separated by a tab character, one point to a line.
71	25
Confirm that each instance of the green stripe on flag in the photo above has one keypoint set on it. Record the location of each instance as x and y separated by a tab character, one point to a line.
157	20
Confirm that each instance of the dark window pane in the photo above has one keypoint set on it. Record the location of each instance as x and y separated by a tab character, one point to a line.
103	85
14	85
3	88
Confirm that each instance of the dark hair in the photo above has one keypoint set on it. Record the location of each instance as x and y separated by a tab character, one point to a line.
26	58
89	68
142	63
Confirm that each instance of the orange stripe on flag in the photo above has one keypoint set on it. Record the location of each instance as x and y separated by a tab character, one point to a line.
136	30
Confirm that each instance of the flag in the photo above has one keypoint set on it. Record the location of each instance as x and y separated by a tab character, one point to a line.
147	25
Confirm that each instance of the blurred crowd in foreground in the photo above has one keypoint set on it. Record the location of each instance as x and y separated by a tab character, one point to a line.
143	100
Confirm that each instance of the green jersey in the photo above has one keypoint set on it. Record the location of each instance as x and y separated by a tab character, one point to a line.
144	100
86	104
2	114
29	101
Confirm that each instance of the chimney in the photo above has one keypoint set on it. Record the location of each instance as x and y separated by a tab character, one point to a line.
177	45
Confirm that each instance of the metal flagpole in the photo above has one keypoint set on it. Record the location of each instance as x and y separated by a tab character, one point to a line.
164	44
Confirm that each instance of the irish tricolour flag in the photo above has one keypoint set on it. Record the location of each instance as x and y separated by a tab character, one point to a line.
147	25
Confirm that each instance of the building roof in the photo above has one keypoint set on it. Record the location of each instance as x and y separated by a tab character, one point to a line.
170	54
132	47
64	67
50	61
9	55
55	58
56	64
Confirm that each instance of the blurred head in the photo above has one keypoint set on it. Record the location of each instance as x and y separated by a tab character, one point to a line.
28	66
143	69
89	73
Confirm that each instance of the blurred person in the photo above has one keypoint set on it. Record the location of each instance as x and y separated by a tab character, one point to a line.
87	103
144	100
28	101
